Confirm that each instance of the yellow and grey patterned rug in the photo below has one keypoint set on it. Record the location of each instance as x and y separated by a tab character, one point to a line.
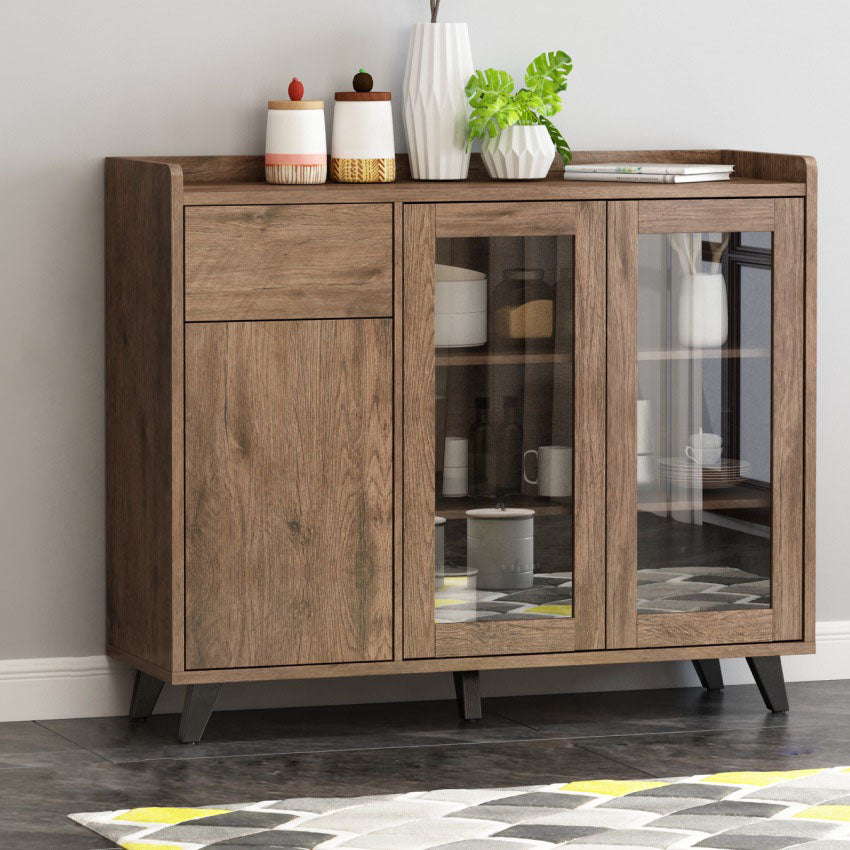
728	811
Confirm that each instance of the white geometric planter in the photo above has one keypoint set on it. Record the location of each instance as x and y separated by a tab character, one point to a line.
439	65
519	152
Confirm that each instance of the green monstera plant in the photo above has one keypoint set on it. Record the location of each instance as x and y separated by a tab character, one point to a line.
495	104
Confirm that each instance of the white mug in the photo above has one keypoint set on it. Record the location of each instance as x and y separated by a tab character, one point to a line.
704	449
704	456
456	451
554	470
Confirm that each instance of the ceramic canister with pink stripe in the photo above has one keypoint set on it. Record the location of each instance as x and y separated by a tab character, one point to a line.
296	146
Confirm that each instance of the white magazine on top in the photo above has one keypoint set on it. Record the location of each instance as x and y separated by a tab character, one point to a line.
646	178
651	168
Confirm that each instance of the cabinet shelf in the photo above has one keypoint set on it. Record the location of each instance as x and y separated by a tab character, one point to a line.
704	354
457	508
482	357
717	500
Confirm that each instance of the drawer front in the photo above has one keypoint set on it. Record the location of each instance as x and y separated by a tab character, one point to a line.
293	261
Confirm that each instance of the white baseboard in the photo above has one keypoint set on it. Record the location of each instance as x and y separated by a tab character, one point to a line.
96	686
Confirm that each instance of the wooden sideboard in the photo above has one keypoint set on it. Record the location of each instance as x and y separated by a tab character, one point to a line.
276	412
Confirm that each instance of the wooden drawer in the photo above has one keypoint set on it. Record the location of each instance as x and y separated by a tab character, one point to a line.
293	261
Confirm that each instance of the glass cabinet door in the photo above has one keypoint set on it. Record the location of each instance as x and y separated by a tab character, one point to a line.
511	377
712	428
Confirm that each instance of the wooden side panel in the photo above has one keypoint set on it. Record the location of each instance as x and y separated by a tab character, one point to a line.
788	427
554	218
589	455
418	362
398	433
810	395
622	424
768	166
288	261
701	216
289	531
144	410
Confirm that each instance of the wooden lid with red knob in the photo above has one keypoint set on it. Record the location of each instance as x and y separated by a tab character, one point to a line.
296	92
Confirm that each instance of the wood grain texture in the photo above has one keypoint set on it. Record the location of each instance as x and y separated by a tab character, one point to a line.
768	166
506	219
704	216
507	637
144	410
398	432
418	381
788	420
288	262
621	500
589	436
786	167
704	627
289	534
493	662
810	397
553	188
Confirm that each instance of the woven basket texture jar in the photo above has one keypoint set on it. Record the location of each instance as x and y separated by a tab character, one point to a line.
362	144
296	144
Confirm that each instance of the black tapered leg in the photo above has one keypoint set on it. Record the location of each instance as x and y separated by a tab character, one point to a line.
710	674
198	705
468	692
767	671
146	691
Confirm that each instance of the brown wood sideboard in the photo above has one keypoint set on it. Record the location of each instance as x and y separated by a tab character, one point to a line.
309	387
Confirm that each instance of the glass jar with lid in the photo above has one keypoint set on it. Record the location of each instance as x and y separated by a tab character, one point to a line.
524	310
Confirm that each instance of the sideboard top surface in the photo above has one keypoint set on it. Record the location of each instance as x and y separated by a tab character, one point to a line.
240	180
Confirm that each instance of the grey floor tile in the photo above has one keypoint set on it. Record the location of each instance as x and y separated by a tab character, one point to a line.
233	733
680	754
41	798
27	744
674	710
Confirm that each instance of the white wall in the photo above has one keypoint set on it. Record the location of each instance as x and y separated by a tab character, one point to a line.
91	78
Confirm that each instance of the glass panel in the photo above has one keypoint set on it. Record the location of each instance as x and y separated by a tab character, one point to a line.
504	428
704	422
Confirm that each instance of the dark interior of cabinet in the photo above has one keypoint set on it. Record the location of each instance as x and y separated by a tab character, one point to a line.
717	543
539	375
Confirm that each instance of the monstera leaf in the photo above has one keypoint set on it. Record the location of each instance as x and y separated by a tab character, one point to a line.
488	82
548	72
496	106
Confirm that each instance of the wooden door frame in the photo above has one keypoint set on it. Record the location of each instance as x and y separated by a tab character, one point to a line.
783	621
585	630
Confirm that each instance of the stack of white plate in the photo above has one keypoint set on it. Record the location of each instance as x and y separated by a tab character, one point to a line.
727	473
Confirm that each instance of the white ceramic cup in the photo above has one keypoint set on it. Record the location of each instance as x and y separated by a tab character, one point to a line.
703	440
554	471
644	427
703	456
456	452
704	449
645	469
455	481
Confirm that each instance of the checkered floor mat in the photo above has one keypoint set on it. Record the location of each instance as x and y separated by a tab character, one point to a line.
659	591
727	811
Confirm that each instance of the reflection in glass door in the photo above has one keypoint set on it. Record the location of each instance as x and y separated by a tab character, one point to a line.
503	387
704	422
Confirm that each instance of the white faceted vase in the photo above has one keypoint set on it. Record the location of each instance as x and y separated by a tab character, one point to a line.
436	113
519	152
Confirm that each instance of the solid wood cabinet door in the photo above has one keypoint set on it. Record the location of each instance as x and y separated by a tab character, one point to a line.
288	492
706	439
